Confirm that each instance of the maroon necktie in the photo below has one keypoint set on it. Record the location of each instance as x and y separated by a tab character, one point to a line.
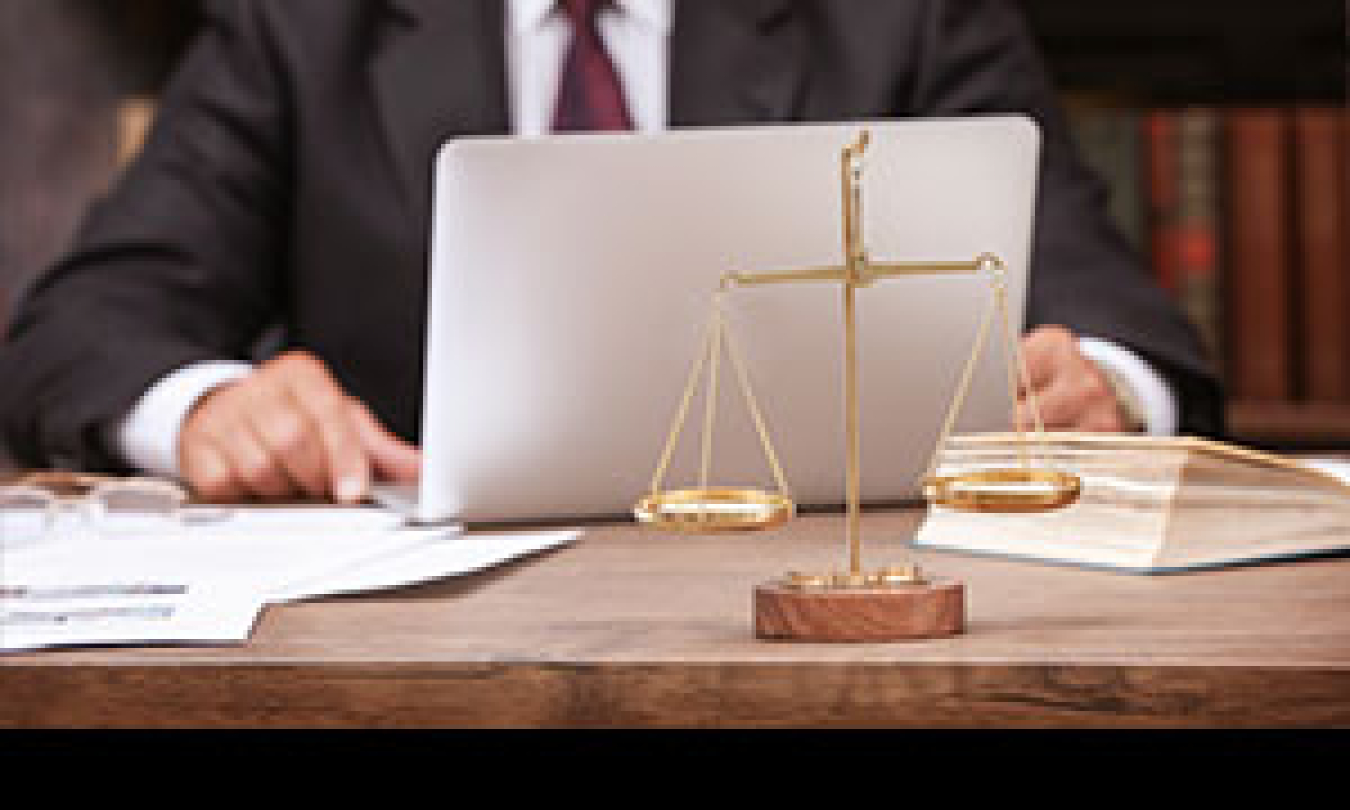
589	94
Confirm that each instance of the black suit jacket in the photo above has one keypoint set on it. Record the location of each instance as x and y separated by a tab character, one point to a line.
287	181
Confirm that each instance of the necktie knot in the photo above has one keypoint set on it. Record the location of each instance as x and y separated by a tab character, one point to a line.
583	13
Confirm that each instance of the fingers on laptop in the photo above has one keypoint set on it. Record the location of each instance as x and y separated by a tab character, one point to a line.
288	431
392	458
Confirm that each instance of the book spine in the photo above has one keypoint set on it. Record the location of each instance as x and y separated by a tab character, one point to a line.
1111	142
1258	251
1163	195
1324	324
1196	243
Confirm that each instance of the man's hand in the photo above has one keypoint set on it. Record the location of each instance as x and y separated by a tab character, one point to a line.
1071	391
288	431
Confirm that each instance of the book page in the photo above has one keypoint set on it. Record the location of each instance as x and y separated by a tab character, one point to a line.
1119	520
1228	512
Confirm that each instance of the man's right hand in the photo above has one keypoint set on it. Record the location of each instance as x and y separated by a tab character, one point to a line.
289	431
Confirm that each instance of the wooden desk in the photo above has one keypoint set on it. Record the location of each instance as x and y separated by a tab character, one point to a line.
635	630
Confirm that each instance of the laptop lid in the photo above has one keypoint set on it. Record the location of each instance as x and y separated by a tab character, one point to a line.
571	281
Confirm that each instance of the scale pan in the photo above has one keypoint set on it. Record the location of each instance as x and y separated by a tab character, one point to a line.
1005	491
712	511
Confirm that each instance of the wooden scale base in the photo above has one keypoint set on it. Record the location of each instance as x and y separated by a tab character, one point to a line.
822	611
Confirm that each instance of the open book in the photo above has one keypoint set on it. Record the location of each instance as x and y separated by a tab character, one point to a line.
1151	505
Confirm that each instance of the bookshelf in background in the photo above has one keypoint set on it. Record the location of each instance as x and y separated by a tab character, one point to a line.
1242	213
1221	129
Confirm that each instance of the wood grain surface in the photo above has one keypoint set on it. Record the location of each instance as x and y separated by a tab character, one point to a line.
913	613
634	629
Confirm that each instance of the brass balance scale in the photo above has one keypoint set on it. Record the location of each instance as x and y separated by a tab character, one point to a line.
891	603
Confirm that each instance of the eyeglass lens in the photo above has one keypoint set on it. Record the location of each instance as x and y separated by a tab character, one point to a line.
130	506
26	516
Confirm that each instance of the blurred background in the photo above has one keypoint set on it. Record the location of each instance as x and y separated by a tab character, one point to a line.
1220	126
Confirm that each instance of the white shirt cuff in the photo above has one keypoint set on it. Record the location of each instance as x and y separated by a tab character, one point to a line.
1155	397
148	437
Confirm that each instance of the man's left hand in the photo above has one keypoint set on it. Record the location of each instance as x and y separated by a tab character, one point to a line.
1071	391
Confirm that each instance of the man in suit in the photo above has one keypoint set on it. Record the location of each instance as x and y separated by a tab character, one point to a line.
288	183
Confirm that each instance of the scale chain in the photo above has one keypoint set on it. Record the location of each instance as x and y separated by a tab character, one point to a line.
682	413
1017	364
748	394
962	388
717	338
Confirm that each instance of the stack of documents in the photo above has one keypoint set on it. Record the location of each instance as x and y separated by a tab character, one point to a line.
208	582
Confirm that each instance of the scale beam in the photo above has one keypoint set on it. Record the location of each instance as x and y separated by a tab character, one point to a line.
879	270
869	273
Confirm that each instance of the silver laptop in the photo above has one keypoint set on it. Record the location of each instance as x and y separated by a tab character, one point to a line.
570	289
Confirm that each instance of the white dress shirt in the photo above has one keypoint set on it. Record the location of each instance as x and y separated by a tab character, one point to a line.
636	35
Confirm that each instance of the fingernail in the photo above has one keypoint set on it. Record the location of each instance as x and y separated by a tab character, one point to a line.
351	489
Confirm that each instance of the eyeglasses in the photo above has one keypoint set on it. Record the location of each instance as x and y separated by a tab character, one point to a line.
31	509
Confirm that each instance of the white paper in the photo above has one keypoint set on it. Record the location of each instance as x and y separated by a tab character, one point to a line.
255	550
433	556
207	581
124	612
1340	468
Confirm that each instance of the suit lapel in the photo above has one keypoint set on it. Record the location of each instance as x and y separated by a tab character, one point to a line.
439	72
735	61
